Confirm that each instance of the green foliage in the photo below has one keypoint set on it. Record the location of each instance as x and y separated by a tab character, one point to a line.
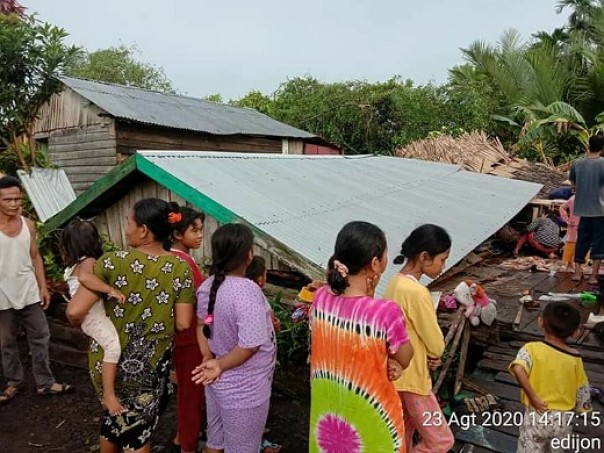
49	245
120	65
32	56
293	338
367	118
470	93
550	89
49	248
9	163
216	97
255	100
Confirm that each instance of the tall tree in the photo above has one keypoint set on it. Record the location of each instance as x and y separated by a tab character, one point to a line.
32	56
119	65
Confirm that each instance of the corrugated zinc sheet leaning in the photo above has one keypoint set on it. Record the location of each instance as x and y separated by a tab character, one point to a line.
180	112
48	189
304	201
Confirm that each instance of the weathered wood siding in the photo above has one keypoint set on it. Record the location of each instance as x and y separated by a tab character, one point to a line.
84	154
68	110
132	137
80	138
112	223
292	146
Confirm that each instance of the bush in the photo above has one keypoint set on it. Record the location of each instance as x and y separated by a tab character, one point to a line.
293	338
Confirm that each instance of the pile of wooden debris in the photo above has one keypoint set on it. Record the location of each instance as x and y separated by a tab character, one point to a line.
478	153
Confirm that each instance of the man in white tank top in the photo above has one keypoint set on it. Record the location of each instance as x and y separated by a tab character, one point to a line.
23	296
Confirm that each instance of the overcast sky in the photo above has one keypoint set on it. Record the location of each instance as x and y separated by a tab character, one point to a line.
234	46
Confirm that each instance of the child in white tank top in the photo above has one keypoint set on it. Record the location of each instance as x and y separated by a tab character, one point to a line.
81	246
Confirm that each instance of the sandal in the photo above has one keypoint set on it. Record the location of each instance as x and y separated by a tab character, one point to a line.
269	447
6	395
56	388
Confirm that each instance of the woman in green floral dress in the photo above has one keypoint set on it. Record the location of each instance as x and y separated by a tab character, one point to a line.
159	299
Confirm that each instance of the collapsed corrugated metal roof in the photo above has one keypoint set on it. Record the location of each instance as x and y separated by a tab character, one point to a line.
303	202
48	189
181	112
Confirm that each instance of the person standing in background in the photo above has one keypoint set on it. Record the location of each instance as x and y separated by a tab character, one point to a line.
23	297
587	175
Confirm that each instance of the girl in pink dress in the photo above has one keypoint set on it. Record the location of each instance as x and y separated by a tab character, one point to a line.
572	222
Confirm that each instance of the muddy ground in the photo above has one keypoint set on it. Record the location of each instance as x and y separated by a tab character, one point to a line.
69	423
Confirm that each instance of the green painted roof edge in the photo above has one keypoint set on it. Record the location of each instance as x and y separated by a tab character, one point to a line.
192	195
138	162
213	208
92	193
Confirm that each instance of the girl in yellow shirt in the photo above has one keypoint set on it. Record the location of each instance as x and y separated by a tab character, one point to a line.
424	252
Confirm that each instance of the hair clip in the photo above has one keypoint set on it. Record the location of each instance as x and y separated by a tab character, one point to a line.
208	320
341	268
174	217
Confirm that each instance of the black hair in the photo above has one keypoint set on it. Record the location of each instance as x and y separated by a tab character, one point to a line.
596	143
7	182
231	245
356	245
156	215
552	213
256	268
188	217
561	319
429	238
80	239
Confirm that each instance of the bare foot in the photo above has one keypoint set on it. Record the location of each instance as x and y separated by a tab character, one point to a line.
593	280
113	405
577	276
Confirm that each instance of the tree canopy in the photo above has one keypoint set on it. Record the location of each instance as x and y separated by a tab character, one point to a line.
119	65
542	96
32	56
549	89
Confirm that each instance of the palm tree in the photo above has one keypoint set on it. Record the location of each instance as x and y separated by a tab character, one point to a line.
524	75
556	39
581	13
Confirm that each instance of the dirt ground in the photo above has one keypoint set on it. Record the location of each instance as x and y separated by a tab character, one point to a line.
69	423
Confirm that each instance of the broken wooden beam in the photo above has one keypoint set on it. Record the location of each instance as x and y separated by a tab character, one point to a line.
465	343
452	350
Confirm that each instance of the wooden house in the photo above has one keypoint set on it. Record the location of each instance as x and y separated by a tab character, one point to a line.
90	127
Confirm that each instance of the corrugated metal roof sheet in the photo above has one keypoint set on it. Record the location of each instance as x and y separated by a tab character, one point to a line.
180	112
48	189
304	201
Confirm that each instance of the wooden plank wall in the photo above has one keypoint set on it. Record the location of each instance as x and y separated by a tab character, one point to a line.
85	154
132	137
292	146
67	110
113	220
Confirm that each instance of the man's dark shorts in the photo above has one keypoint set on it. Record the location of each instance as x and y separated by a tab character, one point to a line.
591	236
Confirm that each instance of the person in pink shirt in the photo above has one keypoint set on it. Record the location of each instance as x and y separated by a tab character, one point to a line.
572	222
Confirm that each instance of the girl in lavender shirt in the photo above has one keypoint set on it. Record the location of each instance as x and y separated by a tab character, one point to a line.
237	340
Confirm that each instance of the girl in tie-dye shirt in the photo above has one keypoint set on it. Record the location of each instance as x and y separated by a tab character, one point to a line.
354	405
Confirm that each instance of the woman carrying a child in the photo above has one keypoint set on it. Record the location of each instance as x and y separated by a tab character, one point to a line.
159	300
